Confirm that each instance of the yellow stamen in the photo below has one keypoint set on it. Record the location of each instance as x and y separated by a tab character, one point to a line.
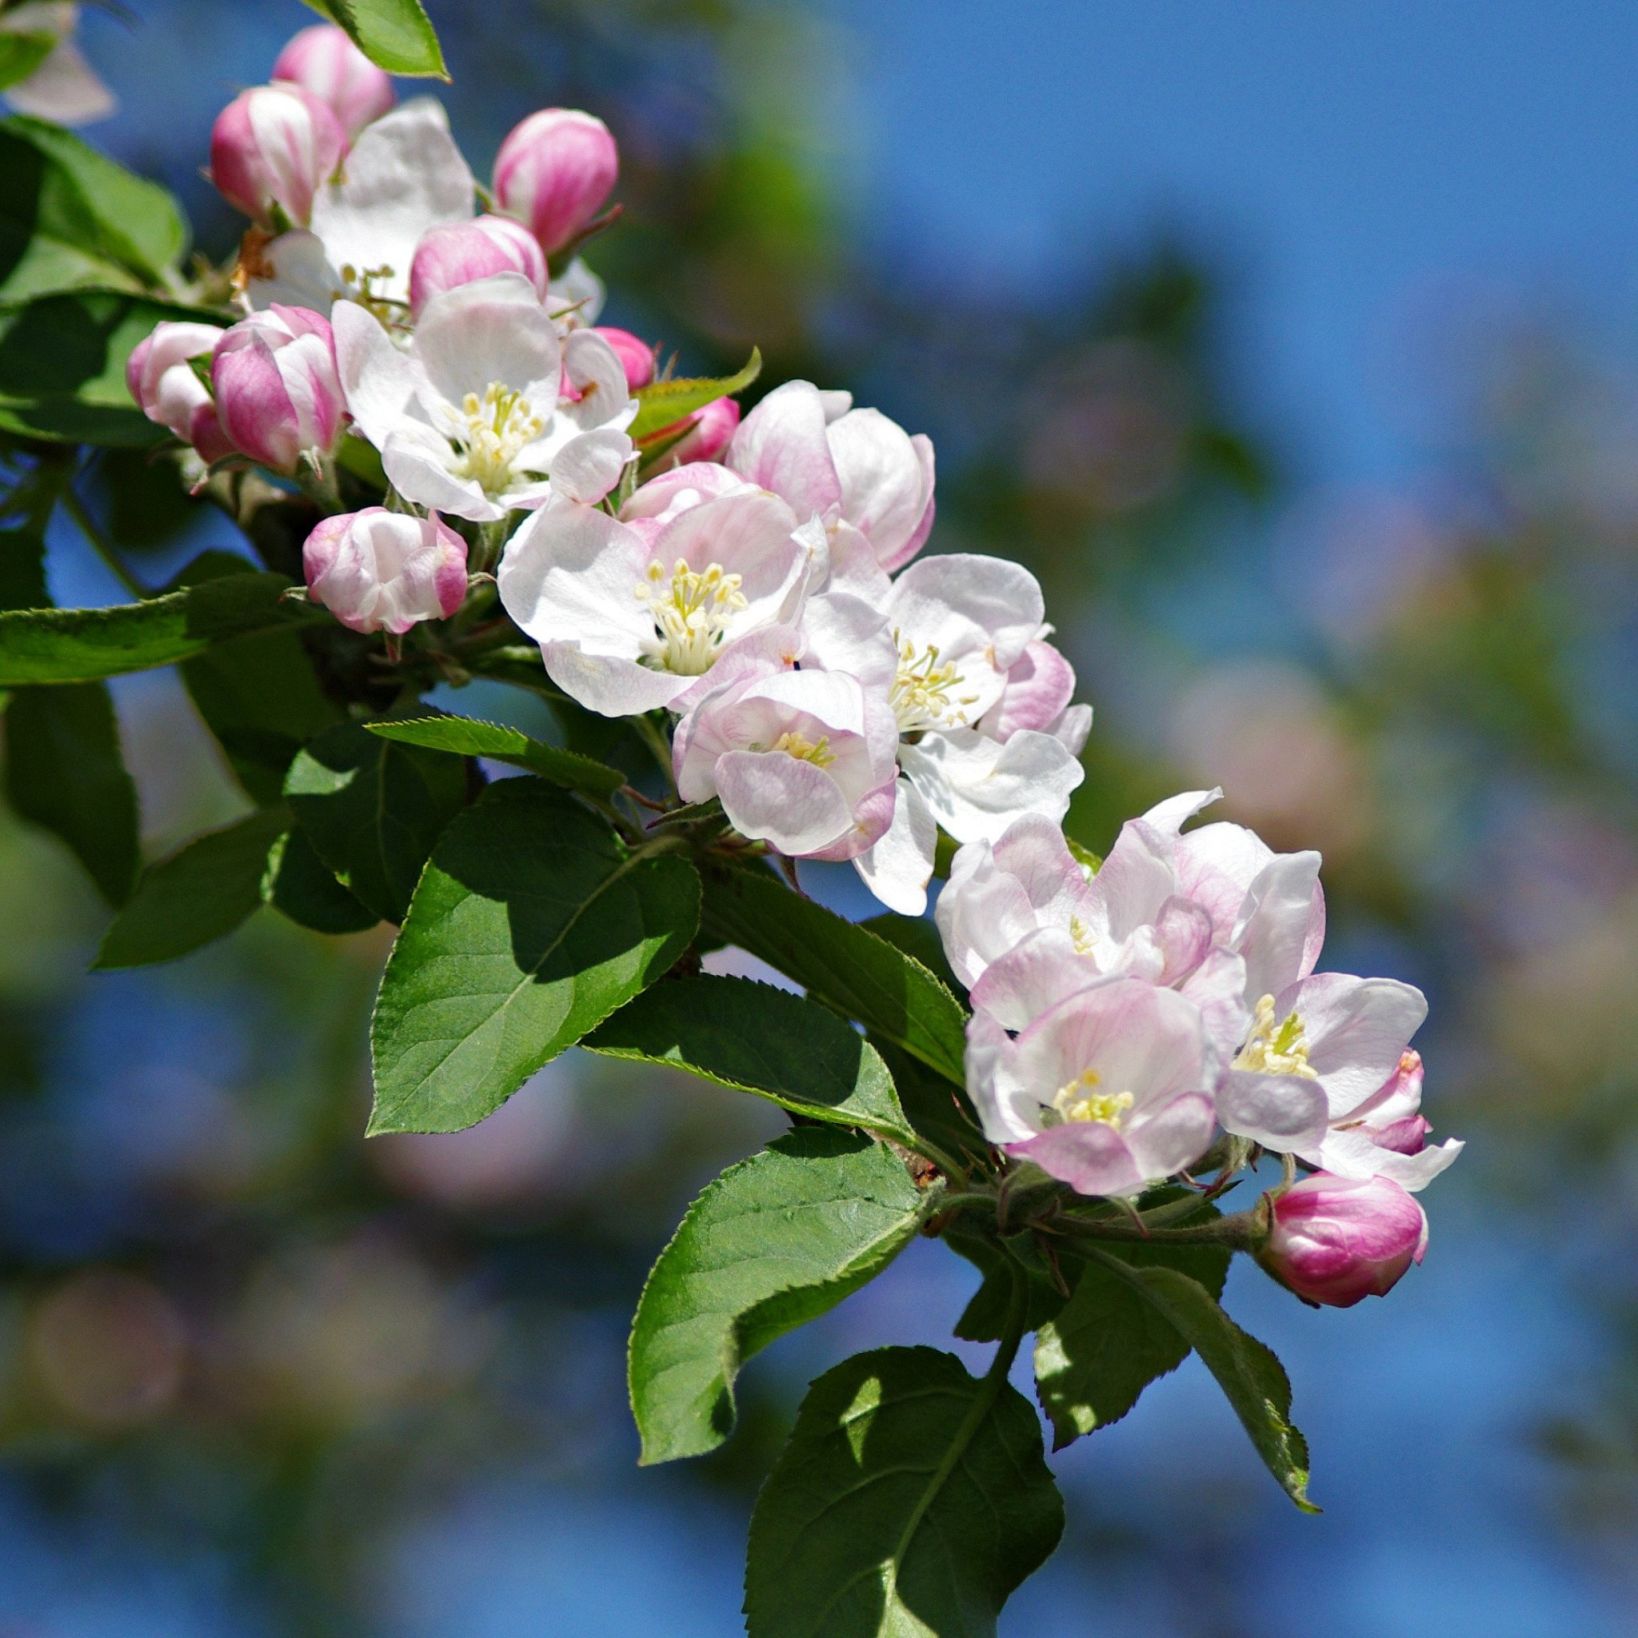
497	427
1273	1049
691	611
1077	1100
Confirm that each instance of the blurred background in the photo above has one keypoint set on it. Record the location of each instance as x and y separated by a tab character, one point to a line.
1294	348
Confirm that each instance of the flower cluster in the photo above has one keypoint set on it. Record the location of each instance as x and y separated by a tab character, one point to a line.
1123	1018
756	591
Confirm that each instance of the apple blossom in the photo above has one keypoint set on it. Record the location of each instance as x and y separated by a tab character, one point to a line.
1386	1135
1337	1240
161	377
631	618
709	432
63	87
802	760
271	150
377	570
861	474
635	354
403	176
277	390
457	253
553	171
1108	1091
322	60
469	419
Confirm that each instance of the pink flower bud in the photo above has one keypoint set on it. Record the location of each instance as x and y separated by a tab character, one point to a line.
635	355
321	59
554	171
1336	1240
710	431
377	570
275	145
277	389
461	252
163	381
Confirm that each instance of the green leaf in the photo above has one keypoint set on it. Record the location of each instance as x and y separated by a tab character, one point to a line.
395	34
258	695
70	217
301	886
82	645
64	771
467	736
662	404
1254	1380
756	1038
373	810
912	1499
918	938
937	1109
840	963
774	1242
1003	1263
1084	856
531	924
21	54
62	366
196	895
1108	1343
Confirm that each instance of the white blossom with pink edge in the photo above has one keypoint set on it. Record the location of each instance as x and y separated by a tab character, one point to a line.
277	391
461	252
403	175
1108	1091
802	760
866	479
322	60
377	570
1386	1136
632	616
1338	1240
941	645
469	417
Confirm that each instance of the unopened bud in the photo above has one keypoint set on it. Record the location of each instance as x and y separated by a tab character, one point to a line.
274	146
164	382
635	355
554	171
1335	1240
461	252
277	389
377	570
322	60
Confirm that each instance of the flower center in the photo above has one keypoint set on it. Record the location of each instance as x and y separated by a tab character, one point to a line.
492	432
804	749
692	612
1276	1049
921	694
388	309
1082	936
1079	1099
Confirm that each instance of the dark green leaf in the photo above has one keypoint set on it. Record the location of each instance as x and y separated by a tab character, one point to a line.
1003	1263
918	938
393	33
64	771
81	645
62	366
937	1109
840	963
70	217
466	736
531	924
258	695
373	810
21	54
759	1039
911	1499
196	895
773	1243
301	886
663	403
1109	1342
1254	1380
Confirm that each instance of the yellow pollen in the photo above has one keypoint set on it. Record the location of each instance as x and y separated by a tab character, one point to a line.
692	611
1078	1100
359	288
922	693
496	428
1273	1049
1082	935
804	749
